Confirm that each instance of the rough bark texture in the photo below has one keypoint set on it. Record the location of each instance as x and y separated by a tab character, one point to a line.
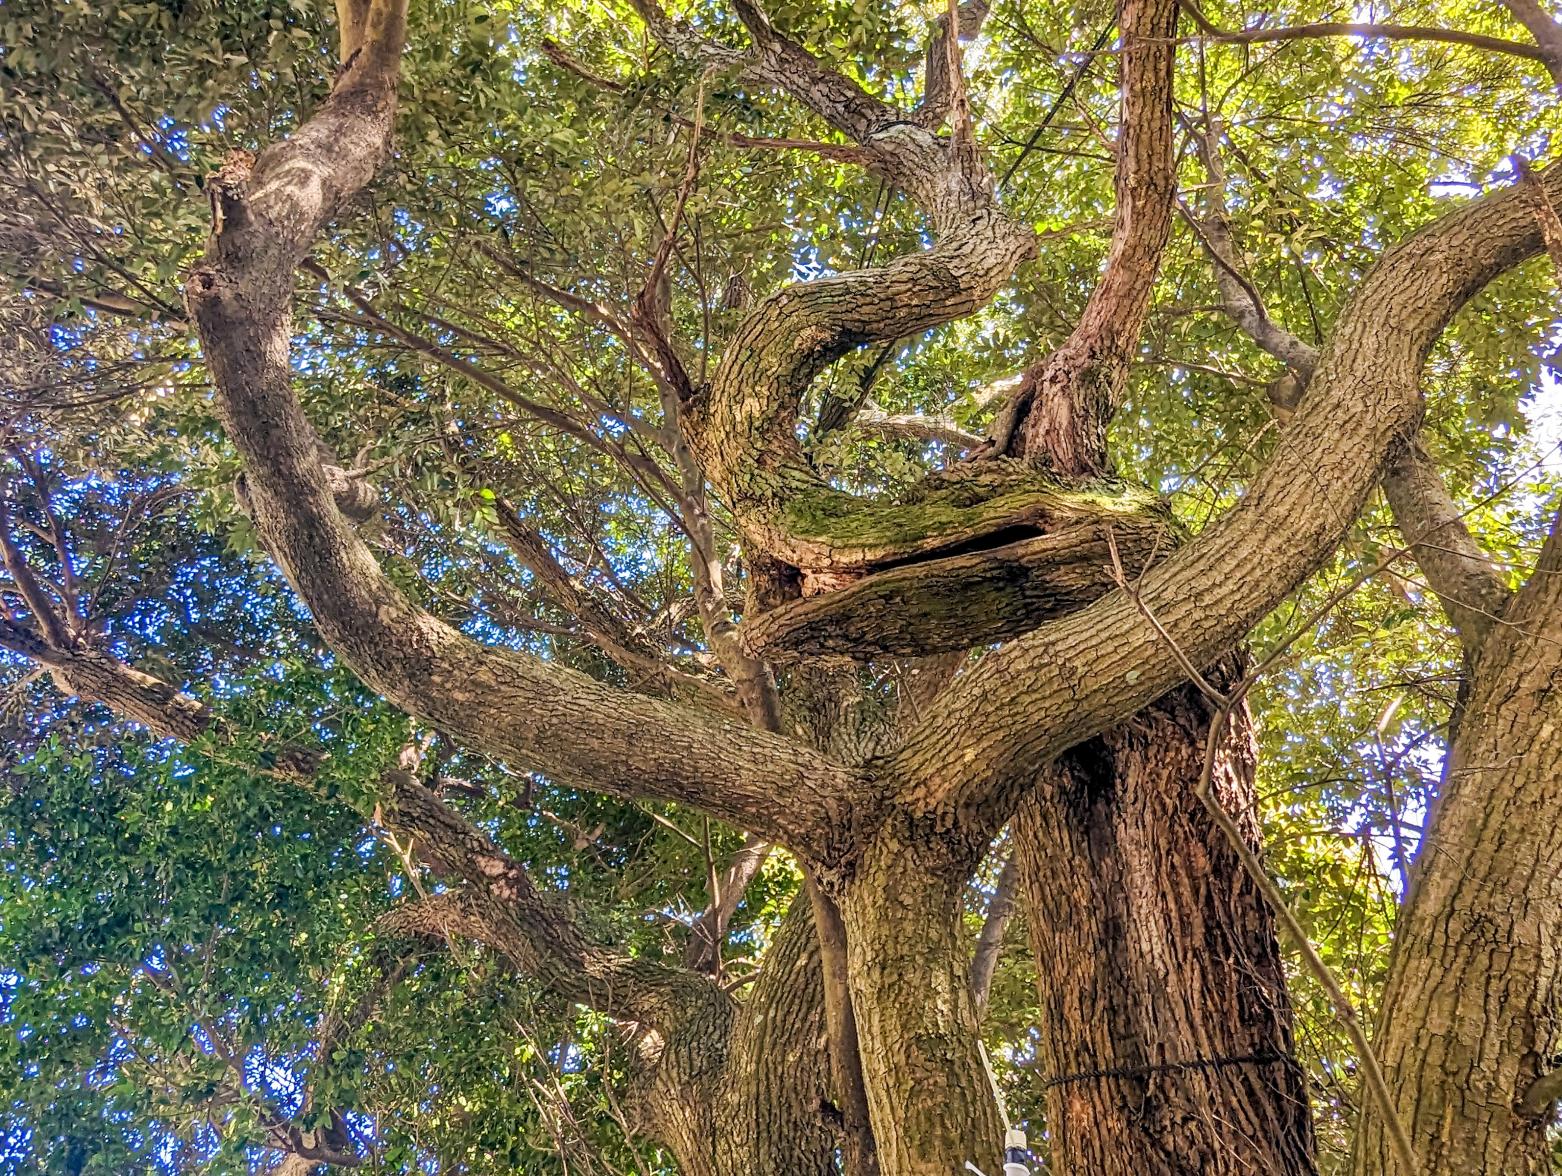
1158	961
1096	667
778	1117
1064	403
1166	1026
966	600
892	841
930	1098
1470	1016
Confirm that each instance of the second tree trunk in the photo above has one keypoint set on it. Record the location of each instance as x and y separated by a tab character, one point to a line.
1166	1026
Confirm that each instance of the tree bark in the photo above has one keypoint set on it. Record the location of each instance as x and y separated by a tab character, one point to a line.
1470	1022
929	1095
1166	1027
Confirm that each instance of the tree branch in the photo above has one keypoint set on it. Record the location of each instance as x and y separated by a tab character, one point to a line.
989	944
939	81
1546	31
1459	572
1239	297
710	929
1372	31
502	907
1094	668
1064	403
535	714
1538	603
913	427
1471	591
535	930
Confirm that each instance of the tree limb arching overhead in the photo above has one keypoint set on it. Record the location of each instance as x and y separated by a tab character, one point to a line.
1096	667
1458	571
537	715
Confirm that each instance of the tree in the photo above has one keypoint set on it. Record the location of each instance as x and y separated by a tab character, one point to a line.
658	588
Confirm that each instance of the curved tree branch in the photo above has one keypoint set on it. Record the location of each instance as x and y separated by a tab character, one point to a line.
1471	591
989	943
534	930
1544	28
743	431
1384	32
1094	668
534	714
939	80
1459	572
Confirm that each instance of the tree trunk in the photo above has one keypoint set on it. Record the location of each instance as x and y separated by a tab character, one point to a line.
754	1097
1166	1027
775	1117
929	1095
1470	1014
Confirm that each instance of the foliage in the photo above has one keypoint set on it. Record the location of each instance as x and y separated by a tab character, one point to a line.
154	898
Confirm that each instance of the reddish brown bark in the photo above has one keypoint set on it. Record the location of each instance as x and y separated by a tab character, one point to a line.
1166	1026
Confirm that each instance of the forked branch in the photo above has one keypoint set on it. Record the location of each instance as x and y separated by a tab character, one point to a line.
535	714
1096	667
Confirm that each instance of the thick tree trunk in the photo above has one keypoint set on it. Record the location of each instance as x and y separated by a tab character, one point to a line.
1470	1016
929	1095
1166	1027
752	1096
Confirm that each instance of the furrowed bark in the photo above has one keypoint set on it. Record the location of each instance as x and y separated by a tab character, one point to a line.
963	600
939	82
859	1149
1096	667
519	708
1469	1025
777	1117
1166	1026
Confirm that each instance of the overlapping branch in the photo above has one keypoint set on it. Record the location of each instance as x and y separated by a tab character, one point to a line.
1094	668
531	713
744	429
1458	570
